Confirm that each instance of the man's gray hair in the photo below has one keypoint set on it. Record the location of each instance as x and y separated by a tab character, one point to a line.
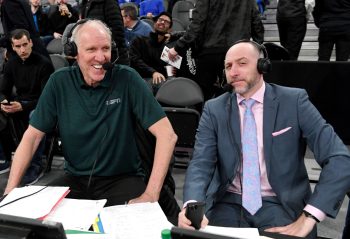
93	22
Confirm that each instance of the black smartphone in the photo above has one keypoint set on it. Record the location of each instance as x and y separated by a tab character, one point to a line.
195	213
5	103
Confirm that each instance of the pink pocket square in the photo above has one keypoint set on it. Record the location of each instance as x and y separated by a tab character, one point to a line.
281	131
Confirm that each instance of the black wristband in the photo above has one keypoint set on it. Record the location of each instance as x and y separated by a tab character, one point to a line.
307	214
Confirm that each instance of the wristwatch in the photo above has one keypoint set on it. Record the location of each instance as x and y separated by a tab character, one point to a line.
307	214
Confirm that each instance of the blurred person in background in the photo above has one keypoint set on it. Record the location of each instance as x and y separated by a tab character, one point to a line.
132	26
108	11
291	23
216	25
333	20
60	15
41	21
151	8
16	14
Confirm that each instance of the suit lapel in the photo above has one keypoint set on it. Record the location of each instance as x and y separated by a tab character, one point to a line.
232	108
270	113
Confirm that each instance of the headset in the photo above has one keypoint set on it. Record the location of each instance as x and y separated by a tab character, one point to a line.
264	64
71	49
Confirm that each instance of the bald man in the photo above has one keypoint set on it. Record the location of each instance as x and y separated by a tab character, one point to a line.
283	118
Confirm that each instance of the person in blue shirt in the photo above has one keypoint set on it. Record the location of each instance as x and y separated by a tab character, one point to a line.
151	8
132	26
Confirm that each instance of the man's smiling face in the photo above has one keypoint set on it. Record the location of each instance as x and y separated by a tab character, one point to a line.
94	49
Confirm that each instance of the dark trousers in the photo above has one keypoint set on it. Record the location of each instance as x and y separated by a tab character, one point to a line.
229	212
116	189
11	136
326	42
209	71
292	31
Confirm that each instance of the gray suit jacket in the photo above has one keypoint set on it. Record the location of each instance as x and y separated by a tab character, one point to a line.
218	146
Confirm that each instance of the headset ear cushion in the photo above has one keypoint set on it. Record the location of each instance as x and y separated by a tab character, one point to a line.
70	49
264	65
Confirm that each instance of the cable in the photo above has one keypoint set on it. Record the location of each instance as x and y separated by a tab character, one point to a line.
110	91
17	199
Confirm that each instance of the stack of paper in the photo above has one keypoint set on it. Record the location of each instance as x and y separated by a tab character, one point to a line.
32	201
141	220
76	214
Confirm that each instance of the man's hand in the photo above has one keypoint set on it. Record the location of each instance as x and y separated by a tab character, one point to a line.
157	78
184	222
172	54
57	35
13	107
301	227
145	197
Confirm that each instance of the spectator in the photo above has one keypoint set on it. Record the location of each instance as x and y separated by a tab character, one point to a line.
16	14
151	8
28	72
60	15
216	25
291	22
145	52
108	11
89	102
333	20
41	21
132	26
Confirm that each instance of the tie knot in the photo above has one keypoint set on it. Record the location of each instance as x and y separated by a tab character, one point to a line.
248	103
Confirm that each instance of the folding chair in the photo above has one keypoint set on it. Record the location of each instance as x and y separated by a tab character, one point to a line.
179	98
55	46
58	61
181	11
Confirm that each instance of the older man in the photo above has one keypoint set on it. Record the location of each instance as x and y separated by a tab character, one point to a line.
96	108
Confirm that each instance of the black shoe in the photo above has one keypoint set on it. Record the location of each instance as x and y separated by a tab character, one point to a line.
33	174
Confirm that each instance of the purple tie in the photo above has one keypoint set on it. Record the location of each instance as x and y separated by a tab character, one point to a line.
251	195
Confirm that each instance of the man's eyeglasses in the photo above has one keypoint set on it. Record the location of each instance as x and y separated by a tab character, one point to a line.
162	20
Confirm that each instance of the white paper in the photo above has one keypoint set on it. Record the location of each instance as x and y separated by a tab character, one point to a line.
244	233
165	57
35	206
140	220
76	214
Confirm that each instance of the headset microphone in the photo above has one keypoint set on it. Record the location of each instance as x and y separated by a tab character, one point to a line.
227	88
109	65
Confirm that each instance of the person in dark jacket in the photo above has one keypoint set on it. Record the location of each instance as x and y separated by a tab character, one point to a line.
16	14
108	11
60	15
41	22
333	20
216	25
145	52
291	22
28	72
